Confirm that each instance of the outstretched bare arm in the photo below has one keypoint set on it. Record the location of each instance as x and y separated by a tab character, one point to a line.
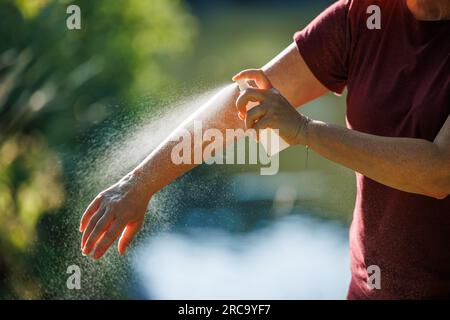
120	209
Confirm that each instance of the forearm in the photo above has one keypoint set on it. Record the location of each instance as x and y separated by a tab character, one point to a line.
411	165
288	72
158	169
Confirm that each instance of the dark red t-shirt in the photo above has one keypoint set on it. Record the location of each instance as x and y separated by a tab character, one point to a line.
398	83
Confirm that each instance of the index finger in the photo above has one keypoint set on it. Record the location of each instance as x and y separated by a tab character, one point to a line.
250	94
257	75
89	212
101	226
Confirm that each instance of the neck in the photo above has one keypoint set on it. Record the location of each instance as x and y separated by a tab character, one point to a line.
430	9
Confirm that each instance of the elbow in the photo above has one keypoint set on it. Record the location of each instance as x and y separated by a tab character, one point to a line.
434	191
443	193
437	179
440	195
439	188
433	184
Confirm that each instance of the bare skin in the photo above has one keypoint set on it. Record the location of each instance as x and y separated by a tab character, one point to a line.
119	210
391	161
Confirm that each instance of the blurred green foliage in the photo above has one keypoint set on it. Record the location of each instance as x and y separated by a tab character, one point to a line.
55	84
62	91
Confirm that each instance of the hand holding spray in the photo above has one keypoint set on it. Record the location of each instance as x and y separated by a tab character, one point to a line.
269	139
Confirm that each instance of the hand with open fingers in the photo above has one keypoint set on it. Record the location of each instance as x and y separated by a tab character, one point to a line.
116	211
273	111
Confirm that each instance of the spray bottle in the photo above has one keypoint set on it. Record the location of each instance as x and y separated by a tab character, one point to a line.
269	139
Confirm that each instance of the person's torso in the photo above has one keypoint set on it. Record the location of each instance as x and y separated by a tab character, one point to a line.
399	86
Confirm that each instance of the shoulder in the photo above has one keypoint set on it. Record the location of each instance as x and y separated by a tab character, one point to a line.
359	9
361	6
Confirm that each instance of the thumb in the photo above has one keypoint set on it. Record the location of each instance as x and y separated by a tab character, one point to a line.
257	75
128	234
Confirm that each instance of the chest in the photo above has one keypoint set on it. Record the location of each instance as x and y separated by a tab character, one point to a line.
399	89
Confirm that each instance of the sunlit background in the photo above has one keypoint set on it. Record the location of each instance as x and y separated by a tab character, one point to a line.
80	108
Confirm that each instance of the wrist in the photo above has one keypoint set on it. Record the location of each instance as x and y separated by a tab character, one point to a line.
302	136
142	181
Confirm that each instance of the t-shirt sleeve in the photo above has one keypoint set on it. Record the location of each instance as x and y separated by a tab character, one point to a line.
324	44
